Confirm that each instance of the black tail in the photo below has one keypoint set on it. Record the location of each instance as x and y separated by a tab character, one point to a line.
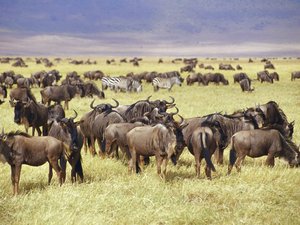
232	153
63	166
206	152
103	144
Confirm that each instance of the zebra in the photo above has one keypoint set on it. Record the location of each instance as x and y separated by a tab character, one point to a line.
166	83
122	84
136	86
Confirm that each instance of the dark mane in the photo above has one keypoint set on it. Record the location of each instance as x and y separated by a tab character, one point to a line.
278	110
14	133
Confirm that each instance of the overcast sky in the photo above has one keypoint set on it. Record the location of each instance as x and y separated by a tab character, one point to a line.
150	27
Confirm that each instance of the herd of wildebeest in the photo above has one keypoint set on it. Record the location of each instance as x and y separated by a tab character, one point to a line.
140	130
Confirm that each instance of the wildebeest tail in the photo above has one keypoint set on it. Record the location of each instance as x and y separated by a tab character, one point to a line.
206	153
63	161
232	153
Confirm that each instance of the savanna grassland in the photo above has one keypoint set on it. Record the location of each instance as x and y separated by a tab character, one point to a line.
110	195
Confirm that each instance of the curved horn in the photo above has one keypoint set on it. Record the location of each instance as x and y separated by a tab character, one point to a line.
117	103
92	103
76	114
177	110
148	98
181	119
173	100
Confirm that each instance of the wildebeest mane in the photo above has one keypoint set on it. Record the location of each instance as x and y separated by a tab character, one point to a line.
14	133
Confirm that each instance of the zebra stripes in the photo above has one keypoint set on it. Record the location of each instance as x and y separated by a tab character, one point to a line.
165	83
122	84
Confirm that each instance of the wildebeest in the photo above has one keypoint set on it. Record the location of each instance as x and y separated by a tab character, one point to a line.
264	76
225	67
165	83
31	114
295	75
66	130
94	75
238	67
269	66
17	148
59	93
274	117
21	94
115	136
216	78
240	76
275	76
89	89
55	113
87	121
3	92
188	68
245	85
158	141
209	67
257	143
194	77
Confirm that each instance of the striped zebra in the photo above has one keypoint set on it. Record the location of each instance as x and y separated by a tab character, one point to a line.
135	86
166	83
122	84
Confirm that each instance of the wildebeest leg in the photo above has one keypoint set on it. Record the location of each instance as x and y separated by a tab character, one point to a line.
132	161
50	175
15	173
159	161
115	150
92	146
270	161
220	154
101	151
39	131
208	172
164	167
198	163
57	169
66	104
239	161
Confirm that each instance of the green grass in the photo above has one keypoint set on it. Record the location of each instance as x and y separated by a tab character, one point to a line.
109	195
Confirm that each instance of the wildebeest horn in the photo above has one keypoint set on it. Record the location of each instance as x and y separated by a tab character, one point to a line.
181	119
76	114
91	105
177	110
116	103
173	100
148	98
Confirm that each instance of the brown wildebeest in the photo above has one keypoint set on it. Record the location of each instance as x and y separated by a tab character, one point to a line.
158	141
295	75
19	148
257	143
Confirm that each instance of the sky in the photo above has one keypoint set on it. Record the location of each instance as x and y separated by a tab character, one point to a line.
204	28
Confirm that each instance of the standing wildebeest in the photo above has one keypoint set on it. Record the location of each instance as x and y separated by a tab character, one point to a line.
3	92
59	93
194	77
264	76
17	148
66	130
89	89
31	114
257	143
87	121
295	75
246	85
158	141
166	83
21	94
115	136
55	113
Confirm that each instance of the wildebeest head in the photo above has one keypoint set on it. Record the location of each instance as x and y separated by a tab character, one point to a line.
71	127
104	107
55	112
162	105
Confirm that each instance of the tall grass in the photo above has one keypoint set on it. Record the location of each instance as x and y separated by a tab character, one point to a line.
109	195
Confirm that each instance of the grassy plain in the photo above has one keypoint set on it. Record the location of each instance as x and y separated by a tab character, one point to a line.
109	195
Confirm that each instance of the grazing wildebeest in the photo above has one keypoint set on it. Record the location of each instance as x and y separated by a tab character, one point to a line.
216	78
275	76
264	76
194	77
239	76
17	148
225	67
295	75
257	143
158	141
274	117
31	114
66	130
90	88
238	67
59	93
165	83
245	85
269	66
209	67
188	68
